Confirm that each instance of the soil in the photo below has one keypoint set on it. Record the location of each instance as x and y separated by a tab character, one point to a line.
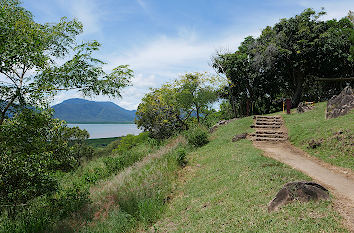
338	180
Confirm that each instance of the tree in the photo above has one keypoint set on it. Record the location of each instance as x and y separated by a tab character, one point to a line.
159	114
32	65
33	147
169	109
289	60
195	93
351	18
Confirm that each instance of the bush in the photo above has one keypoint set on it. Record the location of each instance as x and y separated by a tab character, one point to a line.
33	146
181	155
129	141
197	136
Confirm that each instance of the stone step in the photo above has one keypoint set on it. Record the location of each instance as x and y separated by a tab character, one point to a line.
268	123
265	126
269	120
267	135
266	117
269	139
269	132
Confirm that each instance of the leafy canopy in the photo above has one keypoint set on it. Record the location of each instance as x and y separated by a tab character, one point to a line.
39	60
172	107
287	61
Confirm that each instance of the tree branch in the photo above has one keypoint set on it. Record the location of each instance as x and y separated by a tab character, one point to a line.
7	108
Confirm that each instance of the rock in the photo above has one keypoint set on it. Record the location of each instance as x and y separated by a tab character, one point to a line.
341	104
302	107
239	137
220	123
314	143
301	190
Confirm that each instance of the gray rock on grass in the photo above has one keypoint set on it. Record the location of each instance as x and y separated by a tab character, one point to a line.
341	104
303	191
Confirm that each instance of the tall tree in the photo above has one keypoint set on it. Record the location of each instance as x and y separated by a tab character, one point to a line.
34	63
159	114
195	92
290	59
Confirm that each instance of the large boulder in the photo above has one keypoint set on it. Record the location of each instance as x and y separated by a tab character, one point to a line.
239	137
341	104
301	190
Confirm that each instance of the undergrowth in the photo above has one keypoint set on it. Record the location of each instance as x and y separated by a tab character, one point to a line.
46	212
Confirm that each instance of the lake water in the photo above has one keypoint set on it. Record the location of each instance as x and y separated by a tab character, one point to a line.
108	130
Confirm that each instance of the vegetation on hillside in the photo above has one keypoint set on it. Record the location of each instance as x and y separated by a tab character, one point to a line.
51	180
227	187
174	106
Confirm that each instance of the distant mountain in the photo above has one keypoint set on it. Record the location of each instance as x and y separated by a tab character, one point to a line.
85	111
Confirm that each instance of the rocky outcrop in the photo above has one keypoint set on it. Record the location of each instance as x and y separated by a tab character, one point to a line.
301	190
341	104
303	107
220	123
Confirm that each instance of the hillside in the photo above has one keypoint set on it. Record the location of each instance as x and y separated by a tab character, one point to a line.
226	187
85	111
334	137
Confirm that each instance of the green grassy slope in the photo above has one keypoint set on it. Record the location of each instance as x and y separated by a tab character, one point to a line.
228	186
336	135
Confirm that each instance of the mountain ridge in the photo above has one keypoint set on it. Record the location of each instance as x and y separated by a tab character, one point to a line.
78	110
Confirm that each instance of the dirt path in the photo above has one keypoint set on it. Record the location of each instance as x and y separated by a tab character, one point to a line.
339	181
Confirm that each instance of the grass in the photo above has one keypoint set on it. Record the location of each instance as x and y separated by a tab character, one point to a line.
101	142
336	135
227	188
136	196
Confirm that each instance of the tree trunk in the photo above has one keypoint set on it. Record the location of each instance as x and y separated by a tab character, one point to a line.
299	78
198	119
3	113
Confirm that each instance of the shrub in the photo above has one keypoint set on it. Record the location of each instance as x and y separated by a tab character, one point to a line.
33	146
181	155
197	136
129	141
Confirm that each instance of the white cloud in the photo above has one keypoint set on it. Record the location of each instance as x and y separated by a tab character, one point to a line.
88	12
165	58
334	9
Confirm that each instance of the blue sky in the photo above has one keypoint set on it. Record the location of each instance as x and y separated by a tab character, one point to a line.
161	39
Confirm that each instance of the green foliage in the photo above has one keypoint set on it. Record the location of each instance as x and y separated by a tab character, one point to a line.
33	146
195	92
158	113
351	18
129	141
226	110
171	108
197	136
117	221
42	213
285	61
141	194
181	156
37	47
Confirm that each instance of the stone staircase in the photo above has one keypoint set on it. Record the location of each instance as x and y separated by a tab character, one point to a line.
268	129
